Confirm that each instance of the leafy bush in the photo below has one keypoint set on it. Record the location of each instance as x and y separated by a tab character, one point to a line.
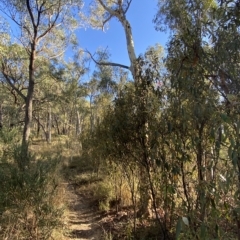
103	194
27	197
8	138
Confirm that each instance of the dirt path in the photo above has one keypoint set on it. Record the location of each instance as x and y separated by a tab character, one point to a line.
82	218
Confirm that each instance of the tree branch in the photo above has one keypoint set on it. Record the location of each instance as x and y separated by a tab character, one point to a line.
213	81
107	63
11	84
51	24
114	13
105	21
31	14
38	121
129	3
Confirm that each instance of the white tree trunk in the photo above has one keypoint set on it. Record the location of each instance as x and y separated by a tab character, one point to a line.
130	43
78	124
120	14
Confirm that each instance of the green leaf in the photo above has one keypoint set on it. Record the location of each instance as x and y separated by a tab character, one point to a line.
225	117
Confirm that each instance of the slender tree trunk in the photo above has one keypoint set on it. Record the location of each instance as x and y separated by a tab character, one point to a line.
1	116
38	125
69	128
78	124
145	196
28	114
236	213
49	126
237	217
185	190
56	121
91	116
121	16
202	199
29	98
64	128
130	43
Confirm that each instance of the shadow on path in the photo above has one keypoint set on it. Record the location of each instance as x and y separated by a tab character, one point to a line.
83	220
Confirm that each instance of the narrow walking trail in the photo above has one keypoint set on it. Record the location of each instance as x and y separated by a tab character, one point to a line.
82	218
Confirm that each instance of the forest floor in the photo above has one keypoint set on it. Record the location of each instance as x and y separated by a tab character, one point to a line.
82	218
82	194
85	221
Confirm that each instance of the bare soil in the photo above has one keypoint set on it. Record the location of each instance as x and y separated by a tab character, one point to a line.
83	219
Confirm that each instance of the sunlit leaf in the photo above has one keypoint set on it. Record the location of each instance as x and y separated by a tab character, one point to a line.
185	220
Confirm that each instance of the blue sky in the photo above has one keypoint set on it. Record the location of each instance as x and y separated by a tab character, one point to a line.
140	16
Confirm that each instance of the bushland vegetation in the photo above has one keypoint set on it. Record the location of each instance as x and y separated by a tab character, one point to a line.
154	144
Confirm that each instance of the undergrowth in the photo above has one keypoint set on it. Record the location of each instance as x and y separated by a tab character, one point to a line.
29	196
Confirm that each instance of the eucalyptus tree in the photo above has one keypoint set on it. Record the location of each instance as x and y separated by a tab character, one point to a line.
105	75
68	99
43	30
128	134
73	95
204	41
101	12
13	80
225	57
47	88
10	107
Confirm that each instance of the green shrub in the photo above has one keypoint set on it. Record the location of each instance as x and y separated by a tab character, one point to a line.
103	194
27	197
8	138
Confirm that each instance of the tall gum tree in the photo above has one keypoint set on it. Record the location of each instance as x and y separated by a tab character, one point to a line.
43	30
203	60
143	75
101	12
